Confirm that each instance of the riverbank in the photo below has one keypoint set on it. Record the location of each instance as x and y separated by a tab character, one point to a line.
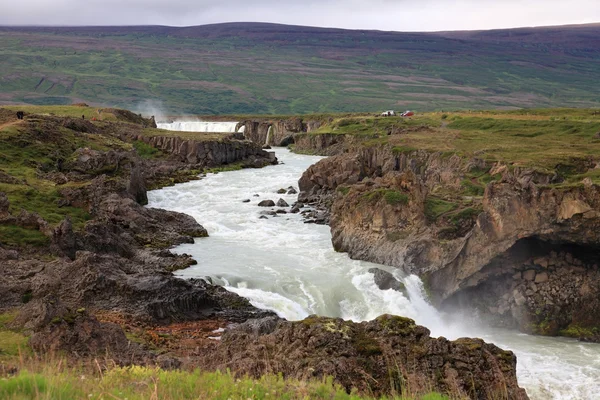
497	212
109	290
290	267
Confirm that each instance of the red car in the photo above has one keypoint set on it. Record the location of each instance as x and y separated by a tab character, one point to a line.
407	114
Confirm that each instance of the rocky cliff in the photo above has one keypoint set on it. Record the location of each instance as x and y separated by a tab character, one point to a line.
207	153
512	243
276	132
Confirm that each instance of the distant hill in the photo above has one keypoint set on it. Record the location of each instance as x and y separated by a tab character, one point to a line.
252	68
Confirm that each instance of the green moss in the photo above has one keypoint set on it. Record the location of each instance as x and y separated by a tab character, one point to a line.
403	150
396	235
391	197
145	150
436	207
394	197
465	214
576	331
224	168
396	324
343	190
26	297
12	235
472	189
12	342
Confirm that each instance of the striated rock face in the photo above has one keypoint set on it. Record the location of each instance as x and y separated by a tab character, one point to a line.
277	132
411	210
209	153
322	144
380	357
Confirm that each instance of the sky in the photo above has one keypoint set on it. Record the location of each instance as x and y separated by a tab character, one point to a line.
389	15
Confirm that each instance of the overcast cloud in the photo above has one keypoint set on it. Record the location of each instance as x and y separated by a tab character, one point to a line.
395	15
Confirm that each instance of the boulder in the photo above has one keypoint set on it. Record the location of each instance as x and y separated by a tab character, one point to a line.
266	203
541	277
542	262
136	186
246	201
271	213
282	203
385	281
282	191
529	275
291	190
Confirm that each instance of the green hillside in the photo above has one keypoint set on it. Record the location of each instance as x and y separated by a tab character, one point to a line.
278	69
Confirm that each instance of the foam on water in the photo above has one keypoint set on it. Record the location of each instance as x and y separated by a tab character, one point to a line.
199	126
290	267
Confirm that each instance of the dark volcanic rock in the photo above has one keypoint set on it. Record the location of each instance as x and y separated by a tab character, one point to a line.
377	357
385	281
136	186
80	125
266	203
282	203
77	332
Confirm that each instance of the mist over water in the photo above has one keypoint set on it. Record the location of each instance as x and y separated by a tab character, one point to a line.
291	268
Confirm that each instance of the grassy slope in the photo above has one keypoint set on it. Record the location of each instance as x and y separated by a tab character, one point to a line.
546	139
289	70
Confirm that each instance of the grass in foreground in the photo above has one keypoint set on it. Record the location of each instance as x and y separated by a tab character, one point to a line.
53	378
135	382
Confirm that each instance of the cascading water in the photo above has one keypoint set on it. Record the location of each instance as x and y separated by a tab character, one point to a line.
290	267
269	133
200	126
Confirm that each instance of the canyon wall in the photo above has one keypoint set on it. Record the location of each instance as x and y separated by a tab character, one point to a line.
276	132
465	226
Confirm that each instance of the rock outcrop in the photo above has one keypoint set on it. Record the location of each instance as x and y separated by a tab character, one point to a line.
388	355
276	132
208	153
429	214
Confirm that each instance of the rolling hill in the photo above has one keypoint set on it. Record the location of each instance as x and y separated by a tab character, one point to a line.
253	68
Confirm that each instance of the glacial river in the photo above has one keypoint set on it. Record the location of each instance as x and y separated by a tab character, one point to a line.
291	268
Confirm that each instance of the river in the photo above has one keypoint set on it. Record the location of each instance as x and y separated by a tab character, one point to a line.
290	267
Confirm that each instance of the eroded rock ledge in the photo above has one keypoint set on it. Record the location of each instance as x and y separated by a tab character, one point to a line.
388	355
465	226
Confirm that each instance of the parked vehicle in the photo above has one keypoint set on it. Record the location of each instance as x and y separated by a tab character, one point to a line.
388	113
407	113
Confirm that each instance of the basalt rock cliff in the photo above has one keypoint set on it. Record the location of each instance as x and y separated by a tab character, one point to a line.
510	243
276	132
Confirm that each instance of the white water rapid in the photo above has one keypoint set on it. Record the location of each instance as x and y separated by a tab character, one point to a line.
290	267
200	126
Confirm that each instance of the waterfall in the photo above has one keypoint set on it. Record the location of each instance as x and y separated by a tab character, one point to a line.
199	126
269	132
